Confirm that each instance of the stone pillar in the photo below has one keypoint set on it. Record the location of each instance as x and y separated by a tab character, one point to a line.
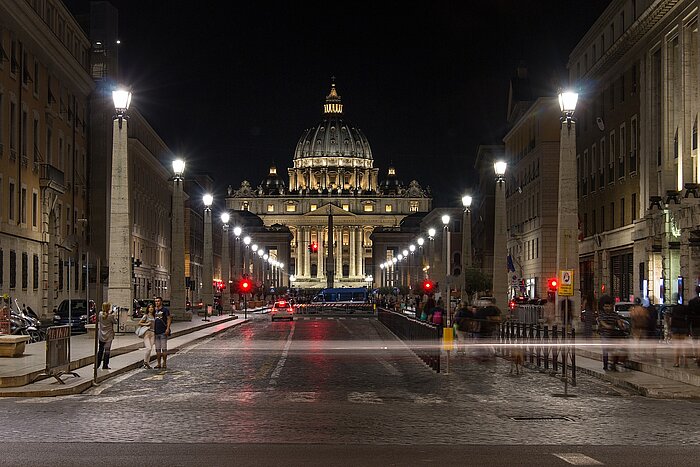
352	244
119	292
321	255
225	271
177	254
500	269
360	256
207	262
307	254
339	258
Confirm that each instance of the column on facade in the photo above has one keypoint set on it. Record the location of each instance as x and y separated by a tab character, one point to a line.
321	255
360	256
352	247
306	255
339	252
368	185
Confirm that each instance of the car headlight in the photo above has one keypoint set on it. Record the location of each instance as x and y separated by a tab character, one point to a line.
56	318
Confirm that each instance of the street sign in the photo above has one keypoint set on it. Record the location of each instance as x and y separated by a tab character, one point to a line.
566	283
448	338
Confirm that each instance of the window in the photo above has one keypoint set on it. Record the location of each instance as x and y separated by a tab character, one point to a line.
413	206
23	206
621	156
675	144
602	218
36	77
2	266
244	206
23	135
13	126
388	208
368	208
622	212
60	274
594	223
13	269
695	133
2	106
12	202
634	207
35	208
35	278
612	215
584	177
35	141
270	208
601	167
314	207
611	159
49	155
594	161
291	208
346	207
633	144
25	270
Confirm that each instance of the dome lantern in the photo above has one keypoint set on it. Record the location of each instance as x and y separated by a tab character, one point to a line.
333	105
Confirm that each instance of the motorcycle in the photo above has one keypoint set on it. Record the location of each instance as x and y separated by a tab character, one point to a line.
26	322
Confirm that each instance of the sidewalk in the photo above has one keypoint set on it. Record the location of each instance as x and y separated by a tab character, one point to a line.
651	375
17	374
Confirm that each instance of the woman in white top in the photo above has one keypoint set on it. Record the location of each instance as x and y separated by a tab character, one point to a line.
148	320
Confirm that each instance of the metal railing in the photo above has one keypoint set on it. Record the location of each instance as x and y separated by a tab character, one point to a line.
529	314
541	346
422	338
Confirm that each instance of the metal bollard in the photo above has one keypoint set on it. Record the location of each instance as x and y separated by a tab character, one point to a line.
555	348
546	347
539	347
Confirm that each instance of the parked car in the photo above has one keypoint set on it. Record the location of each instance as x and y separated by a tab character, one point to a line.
623	309
78	314
282	309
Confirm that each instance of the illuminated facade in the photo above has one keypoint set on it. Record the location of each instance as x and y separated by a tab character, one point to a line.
332	172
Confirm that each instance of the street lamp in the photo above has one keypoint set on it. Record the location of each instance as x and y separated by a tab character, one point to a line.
500	271
208	259
177	254
567	233
246	256
466	242
225	264
446	240
237	231
431	247
120	292
381	279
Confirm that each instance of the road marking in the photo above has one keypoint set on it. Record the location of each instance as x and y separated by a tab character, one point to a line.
302	397
576	458
283	359
156	377
364	398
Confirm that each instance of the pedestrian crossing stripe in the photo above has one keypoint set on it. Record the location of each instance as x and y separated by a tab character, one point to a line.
576	458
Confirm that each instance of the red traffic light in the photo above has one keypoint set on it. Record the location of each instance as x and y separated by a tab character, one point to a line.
553	284
313	247
245	285
428	286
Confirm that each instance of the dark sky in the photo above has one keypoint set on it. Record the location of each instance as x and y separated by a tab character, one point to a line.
232	85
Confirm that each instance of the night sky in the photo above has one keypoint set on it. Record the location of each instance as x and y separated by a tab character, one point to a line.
231	85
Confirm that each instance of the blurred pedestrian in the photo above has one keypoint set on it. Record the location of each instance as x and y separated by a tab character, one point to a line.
639	323
679	333
163	320
588	310
148	321
694	318
105	326
612	330
462	323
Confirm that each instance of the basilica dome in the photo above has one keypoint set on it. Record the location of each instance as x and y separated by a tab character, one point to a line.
334	141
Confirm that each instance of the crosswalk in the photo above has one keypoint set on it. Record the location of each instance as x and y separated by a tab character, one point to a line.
354	397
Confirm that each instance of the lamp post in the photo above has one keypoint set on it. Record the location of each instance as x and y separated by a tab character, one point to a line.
225	265
406	269
500	271
207	263
381	278
261	270
466	242
246	256
119	292
177	252
446	240
420	242
253	269
399	269
237	231
412	265
394	260
431	248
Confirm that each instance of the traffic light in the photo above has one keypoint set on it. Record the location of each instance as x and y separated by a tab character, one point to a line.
552	285
428	286
244	286
313	247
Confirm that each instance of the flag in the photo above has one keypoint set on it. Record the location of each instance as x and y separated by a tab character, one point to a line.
511	267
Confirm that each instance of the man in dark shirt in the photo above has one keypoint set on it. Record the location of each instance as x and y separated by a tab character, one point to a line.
694	318
162	330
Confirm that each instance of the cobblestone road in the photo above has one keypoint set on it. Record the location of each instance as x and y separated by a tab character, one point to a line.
343	380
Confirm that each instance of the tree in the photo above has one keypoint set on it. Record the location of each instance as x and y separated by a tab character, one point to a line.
475	281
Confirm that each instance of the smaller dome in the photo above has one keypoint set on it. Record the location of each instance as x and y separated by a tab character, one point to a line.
391	185
273	184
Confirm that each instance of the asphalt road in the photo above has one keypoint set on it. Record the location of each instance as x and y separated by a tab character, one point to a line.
338	391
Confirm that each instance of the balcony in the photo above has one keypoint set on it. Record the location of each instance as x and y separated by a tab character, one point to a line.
52	178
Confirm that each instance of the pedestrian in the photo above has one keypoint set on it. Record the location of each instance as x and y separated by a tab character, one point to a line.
588	307
149	337
679	333
611	329
462	322
107	320
639	322
694	318
163	320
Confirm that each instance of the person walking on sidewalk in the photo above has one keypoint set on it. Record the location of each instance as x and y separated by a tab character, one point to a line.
694	318
148	320
679	333
106	322
163	320
611	330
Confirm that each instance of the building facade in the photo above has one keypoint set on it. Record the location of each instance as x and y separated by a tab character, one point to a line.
44	90
332	173
637	142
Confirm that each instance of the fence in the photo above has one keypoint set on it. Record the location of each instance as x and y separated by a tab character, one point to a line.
334	308
58	352
542	347
529	314
422	338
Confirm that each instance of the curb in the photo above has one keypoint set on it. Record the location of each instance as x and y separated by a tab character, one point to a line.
82	386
